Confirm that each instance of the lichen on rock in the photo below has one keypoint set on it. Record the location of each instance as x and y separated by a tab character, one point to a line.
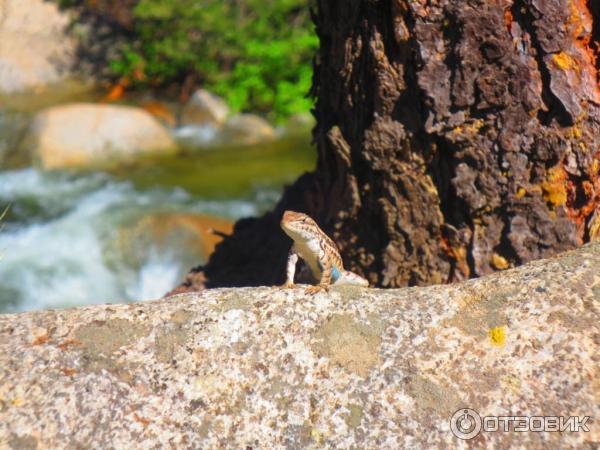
273	368
350	344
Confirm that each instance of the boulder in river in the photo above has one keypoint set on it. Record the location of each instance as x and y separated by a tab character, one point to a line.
204	108
301	123
246	129
83	135
239	130
360	368
197	136
191	237
35	48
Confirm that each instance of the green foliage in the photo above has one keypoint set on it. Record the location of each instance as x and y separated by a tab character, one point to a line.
255	53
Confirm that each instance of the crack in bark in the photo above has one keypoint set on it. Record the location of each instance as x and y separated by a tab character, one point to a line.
523	15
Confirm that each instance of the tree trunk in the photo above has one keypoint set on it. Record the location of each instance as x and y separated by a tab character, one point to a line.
454	138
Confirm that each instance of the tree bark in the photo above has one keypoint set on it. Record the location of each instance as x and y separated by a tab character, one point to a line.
454	138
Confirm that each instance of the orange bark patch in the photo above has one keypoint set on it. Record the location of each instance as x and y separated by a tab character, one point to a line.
589	194
579	195
580	20
508	19
458	254
580	25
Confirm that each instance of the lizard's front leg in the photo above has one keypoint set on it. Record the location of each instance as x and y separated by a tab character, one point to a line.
291	268
325	281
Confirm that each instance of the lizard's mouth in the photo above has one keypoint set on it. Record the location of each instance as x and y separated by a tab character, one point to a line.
290	229
286	226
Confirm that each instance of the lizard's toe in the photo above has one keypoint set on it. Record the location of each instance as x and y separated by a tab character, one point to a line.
312	290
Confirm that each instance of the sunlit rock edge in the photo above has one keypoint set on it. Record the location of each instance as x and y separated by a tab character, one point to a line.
271	368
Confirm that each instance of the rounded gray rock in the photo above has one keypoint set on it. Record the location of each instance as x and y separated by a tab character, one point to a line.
352	368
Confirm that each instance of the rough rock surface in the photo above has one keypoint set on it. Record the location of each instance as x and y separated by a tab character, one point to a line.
35	49
82	135
269	368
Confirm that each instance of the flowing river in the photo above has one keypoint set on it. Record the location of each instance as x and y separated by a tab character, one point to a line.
73	238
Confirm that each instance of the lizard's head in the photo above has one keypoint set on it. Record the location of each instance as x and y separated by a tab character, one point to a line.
295	223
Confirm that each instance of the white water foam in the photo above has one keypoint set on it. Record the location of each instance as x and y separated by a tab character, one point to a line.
53	247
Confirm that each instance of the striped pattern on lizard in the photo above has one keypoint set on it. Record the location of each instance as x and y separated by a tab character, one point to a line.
318	250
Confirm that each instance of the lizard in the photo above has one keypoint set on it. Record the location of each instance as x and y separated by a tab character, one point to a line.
318	251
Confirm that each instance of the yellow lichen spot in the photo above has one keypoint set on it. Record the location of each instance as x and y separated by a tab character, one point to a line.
497	336
316	435
554	189
499	262
17	402
521	192
469	128
576	132
564	61
474	126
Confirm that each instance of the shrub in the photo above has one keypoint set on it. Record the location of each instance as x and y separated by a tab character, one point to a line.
255	53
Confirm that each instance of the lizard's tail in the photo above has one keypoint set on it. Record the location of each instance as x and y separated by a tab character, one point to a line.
351	278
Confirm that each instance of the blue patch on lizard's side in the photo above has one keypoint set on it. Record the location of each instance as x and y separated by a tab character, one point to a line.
335	274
